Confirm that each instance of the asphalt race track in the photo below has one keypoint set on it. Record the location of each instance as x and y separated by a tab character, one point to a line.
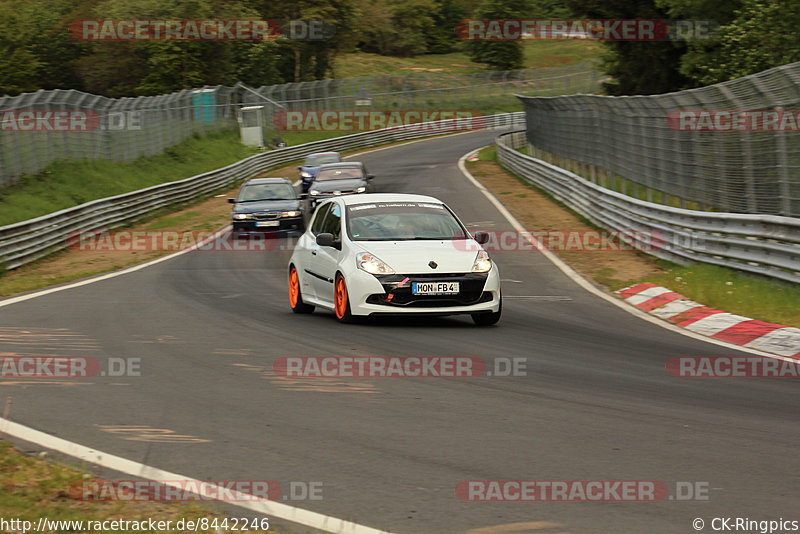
596	404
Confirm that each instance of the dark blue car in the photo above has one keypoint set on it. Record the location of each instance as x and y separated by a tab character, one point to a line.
267	205
309	168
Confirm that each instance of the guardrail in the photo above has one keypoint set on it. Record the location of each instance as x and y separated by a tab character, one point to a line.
764	244
26	241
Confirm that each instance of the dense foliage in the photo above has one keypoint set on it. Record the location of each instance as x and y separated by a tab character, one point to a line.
38	52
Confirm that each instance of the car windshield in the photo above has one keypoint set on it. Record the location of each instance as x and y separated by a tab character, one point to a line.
255	192
339	174
316	161
402	221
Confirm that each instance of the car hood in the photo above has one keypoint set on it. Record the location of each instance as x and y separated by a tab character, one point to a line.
329	186
413	257
266	205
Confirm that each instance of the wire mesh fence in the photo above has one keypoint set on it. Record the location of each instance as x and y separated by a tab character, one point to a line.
484	91
38	128
731	147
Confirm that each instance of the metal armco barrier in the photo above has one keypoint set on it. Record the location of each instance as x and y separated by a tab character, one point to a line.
748	166
764	244
27	241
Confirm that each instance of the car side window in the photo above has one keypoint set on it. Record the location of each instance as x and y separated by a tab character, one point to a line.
319	217
333	222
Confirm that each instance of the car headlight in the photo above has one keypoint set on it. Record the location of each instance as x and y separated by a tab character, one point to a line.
305	174
372	264
242	216
482	263
361	189
290	214
313	192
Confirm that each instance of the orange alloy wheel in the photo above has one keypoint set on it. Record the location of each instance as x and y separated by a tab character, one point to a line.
294	287
341	298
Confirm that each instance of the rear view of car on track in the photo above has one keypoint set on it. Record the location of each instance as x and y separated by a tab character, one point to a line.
392	254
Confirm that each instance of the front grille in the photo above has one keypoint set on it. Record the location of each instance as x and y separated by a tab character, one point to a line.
470	291
331	193
266	215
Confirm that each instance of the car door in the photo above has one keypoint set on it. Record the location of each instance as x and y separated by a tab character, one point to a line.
306	251
325	260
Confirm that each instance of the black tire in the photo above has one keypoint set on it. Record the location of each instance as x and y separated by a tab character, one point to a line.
297	304
488	319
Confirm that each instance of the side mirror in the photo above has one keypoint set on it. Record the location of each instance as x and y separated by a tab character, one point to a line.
231	201
370	176
302	196
299	167
326	240
481	237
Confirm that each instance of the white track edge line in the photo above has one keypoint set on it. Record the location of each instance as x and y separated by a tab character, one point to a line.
136	469
112	274
588	286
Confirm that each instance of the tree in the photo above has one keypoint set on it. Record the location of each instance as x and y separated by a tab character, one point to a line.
36	52
500	55
157	67
637	67
309	59
397	27
761	34
701	51
441	39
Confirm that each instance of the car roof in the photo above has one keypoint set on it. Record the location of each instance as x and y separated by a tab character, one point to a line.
341	165
253	181
366	198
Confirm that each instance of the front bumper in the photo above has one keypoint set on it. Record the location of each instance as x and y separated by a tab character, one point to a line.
285	224
391	294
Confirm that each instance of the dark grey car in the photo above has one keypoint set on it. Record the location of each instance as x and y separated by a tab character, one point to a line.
334	179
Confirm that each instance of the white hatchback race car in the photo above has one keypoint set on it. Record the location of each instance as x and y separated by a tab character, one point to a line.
396	254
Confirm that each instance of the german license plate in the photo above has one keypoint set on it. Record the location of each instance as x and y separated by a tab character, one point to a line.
267	224
434	288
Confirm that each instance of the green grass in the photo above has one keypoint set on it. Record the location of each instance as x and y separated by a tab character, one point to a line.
64	184
35	488
537	54
488	154
733	291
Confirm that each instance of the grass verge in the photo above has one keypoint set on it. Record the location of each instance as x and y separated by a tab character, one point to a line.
64	184
537	54
34	488
719	287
